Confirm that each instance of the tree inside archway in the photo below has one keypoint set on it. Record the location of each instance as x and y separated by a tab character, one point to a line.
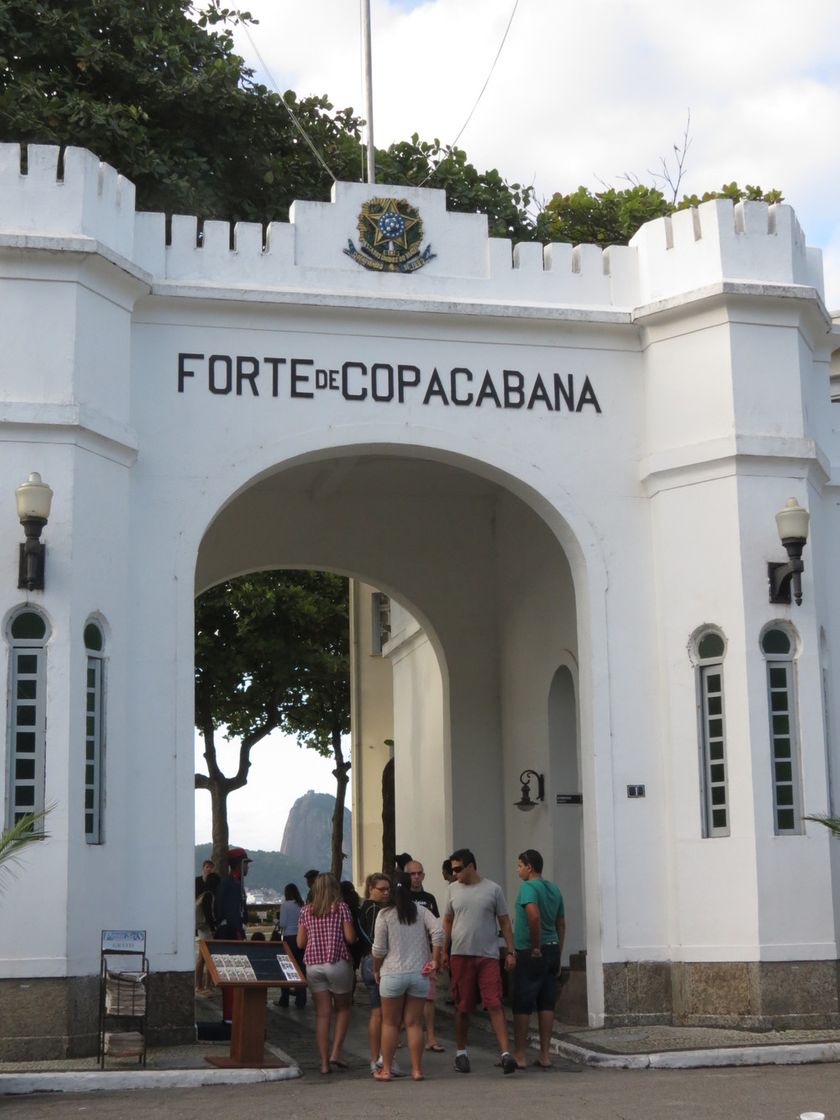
272	654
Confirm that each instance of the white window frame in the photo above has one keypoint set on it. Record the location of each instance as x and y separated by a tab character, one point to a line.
711	738
783	703
19	649
94	761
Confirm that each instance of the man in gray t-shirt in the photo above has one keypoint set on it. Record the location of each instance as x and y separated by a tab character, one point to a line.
475	911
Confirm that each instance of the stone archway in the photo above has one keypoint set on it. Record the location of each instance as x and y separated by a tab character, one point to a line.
489	585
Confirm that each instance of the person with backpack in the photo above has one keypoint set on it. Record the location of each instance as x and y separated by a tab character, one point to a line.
377	895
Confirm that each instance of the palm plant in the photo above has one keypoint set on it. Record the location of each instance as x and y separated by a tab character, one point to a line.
831	823
14	840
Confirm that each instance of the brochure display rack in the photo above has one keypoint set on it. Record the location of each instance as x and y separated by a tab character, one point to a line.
123	1003
250	967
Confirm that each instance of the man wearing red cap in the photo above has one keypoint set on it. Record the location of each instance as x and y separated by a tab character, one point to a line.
232	912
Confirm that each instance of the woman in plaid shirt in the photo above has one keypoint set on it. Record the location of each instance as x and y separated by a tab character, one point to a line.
324	932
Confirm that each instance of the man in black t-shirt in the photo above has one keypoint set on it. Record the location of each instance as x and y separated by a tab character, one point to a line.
423	898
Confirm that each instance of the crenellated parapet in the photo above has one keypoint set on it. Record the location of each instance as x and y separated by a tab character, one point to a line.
719	240
79	196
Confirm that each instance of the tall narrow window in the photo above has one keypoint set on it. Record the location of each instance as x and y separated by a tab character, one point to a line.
380	606
94	733
709	650
27	715
779	650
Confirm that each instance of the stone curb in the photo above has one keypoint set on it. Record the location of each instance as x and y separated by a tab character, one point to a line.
798	1054
89	1081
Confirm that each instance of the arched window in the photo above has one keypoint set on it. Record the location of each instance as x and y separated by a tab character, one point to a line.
708	650
27	634
94	732
778	645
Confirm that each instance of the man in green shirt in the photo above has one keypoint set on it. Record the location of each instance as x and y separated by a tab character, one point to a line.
539	929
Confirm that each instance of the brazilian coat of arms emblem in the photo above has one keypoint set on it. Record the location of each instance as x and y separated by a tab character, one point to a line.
390	237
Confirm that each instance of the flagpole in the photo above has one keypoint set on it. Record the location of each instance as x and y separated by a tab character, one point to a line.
367	72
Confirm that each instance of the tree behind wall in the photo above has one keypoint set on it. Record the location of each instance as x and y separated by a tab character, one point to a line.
271	653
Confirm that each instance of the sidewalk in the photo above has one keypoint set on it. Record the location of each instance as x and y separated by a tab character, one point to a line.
291	1040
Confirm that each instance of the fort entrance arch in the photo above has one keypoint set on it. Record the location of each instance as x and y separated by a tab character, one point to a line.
491	588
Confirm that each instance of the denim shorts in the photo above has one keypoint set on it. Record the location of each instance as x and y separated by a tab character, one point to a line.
396	984
366	970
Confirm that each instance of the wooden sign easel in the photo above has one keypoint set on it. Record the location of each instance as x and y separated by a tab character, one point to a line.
250	967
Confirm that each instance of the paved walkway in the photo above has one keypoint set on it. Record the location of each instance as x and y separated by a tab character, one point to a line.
291	1039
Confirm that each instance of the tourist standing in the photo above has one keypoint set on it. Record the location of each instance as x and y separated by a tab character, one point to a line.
475	911
539	930
324	932
401	966
377	895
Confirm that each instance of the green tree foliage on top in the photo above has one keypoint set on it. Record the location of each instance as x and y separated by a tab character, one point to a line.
271	653
155	88
417	162
612	217
165	100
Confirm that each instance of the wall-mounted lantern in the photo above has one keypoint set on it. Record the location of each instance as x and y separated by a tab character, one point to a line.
34	499
525	803
792	522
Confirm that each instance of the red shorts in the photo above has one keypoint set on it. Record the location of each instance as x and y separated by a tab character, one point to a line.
474	978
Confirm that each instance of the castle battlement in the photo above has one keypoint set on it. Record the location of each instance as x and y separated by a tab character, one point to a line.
79	196
719	240
313	251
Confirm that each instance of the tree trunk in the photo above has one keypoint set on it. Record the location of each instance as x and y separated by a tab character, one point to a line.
389	819
221	838
340	774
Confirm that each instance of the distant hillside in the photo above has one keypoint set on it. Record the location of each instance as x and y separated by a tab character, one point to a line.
269	869
306	843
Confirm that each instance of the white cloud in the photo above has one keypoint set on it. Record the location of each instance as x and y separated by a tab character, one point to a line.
583	94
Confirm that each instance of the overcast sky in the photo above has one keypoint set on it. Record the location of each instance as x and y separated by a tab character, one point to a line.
584	92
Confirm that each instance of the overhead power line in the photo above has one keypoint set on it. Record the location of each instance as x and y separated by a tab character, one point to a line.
288	107
489	76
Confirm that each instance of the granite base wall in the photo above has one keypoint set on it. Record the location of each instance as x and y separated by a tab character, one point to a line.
58	1017
771	995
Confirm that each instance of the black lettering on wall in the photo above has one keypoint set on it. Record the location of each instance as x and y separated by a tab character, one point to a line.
346	370
183	372
382	375
247	369
466	374
587	396
300	378
223	360
407	378
275	364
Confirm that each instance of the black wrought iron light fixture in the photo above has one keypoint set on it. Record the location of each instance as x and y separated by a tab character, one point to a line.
34	498
792	522
525	803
